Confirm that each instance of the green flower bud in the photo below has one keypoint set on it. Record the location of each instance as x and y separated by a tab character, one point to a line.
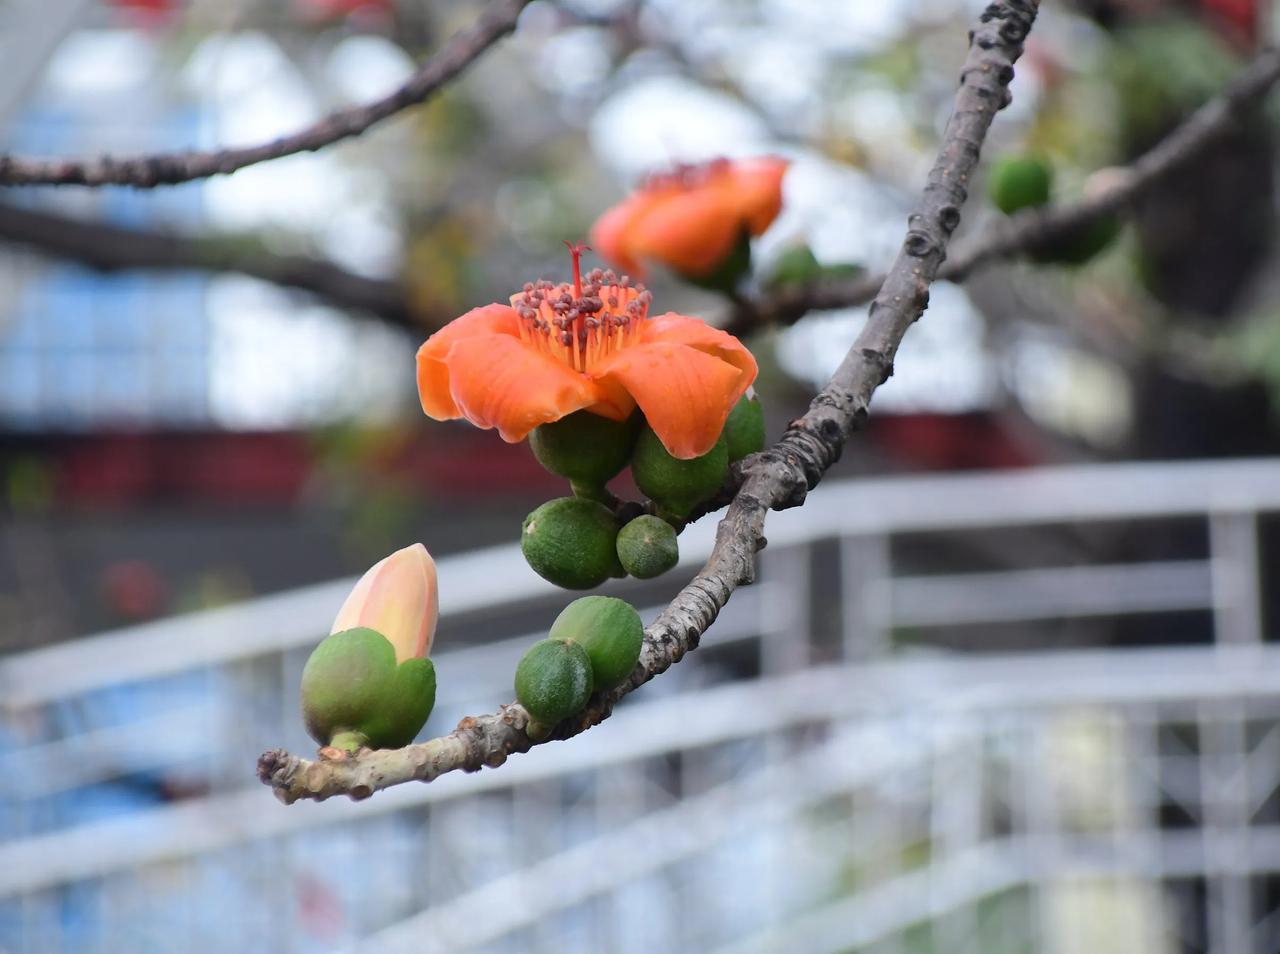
610	631
584	447
647	547
744	430
1080	244
553	680
354	694
1019	182
678	485
571	542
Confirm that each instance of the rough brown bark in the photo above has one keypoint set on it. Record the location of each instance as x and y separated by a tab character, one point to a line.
149	171
776	479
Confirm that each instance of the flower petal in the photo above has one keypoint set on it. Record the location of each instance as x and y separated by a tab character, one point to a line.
610	237
686	394
433	369
758	186
692	231
499	381
696	333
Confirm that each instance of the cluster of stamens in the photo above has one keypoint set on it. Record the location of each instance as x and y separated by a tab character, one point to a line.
686	175
581	323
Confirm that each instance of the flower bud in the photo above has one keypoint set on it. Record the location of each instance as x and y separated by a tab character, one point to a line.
553	680
647	547
397	597
610	631
572	543
1019	182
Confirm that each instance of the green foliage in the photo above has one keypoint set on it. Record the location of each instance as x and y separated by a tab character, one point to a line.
1164	68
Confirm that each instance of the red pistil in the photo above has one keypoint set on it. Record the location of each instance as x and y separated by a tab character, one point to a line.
583	323
576	250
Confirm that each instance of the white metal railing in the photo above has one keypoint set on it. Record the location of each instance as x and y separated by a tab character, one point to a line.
769	706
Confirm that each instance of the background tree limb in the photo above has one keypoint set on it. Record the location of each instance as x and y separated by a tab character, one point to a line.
111	248
777	479
1028	229
148	171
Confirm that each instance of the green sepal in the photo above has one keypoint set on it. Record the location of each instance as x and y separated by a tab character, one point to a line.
352	689
744	428
728	275
678	485
586	448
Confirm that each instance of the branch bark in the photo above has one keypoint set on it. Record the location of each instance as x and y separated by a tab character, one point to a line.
148	171
776	479
1016	234
110	248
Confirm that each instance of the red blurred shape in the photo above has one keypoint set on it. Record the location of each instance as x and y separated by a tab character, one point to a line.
134	589
949	442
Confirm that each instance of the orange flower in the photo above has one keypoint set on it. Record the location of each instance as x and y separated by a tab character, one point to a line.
691	219
586	346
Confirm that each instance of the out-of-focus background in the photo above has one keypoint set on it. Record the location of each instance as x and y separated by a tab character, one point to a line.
1009	681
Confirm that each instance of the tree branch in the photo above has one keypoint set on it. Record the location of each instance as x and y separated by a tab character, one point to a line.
110	248
1034	227
148	171
777	479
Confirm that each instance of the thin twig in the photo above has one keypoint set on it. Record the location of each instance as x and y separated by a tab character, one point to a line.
111	248
777	479
1033	228
148	171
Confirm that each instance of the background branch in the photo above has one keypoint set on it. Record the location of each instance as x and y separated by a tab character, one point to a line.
777	479
1029	229
148	171
110	248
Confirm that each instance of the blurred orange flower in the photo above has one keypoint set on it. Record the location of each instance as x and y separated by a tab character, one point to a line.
589	345
690	219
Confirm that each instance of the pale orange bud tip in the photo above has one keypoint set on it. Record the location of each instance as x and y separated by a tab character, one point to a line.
398	597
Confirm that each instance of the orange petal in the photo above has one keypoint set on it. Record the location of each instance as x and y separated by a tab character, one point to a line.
686	394
692	231
499	381
758	186
433	370
695	333
610	237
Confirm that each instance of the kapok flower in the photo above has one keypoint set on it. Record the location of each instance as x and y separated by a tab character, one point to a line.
589	345
399	598
690	219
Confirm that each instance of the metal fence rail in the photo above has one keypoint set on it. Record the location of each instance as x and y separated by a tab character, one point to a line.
790	786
